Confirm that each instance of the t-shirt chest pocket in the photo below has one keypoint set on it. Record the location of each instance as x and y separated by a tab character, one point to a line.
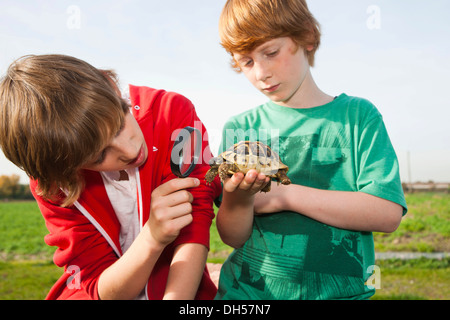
327	156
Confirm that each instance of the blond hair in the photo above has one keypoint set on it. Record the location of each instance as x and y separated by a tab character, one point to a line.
56	113
246	24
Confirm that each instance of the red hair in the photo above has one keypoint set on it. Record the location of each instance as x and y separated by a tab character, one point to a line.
246	24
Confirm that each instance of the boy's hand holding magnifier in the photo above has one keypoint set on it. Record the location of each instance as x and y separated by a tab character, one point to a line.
171	203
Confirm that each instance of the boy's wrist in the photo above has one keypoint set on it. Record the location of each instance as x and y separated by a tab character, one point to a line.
234	200
152	244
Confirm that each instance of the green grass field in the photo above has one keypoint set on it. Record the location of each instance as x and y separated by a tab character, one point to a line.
27	271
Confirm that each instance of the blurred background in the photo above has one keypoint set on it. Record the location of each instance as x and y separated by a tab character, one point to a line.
394	53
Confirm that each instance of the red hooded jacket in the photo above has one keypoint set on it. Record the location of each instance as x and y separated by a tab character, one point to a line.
87	234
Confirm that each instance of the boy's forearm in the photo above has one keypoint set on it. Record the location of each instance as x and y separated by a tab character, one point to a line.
346	210
186	271
126	278
234	221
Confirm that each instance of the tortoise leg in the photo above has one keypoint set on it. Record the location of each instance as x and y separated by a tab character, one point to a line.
226	170
283	178
211	174
267	187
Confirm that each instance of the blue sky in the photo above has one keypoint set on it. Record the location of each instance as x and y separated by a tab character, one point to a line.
394	53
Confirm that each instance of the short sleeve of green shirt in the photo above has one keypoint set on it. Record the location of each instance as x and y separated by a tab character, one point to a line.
378	172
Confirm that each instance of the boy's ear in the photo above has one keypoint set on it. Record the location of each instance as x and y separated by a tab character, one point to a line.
312	39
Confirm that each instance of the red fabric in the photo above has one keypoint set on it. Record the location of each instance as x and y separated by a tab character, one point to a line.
80	242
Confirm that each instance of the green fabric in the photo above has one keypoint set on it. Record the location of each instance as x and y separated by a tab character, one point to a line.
342	145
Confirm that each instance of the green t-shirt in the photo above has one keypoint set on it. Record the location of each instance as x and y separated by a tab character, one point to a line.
342	145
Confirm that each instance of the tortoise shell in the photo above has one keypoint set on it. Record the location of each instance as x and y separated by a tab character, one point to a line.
248	155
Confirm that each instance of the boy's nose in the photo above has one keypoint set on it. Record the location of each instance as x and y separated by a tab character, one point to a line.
125	149
262	72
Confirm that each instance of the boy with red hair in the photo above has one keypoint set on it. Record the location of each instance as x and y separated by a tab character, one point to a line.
311	239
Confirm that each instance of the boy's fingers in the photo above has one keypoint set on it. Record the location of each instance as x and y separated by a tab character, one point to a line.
252	181
175	185
181	210
179	197
231	184
260	181
163	214
249	180
183	221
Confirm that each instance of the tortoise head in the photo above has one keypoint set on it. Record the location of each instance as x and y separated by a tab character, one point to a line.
216	161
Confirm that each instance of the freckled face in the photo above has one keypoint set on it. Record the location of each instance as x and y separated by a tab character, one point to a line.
277	68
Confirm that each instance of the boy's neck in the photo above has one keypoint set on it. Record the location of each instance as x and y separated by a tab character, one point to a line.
307	96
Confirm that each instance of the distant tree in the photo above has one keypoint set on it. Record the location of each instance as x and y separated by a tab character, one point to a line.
25	192
9	186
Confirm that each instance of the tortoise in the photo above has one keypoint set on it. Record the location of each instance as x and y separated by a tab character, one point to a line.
246	155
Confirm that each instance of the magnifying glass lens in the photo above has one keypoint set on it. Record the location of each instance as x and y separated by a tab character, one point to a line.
186	157
186	151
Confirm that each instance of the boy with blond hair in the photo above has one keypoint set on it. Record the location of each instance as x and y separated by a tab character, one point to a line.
311	239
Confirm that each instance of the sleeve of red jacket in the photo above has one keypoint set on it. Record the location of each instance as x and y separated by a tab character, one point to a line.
182	114
81	250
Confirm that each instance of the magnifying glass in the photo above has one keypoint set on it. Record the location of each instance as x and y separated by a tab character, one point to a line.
186	152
